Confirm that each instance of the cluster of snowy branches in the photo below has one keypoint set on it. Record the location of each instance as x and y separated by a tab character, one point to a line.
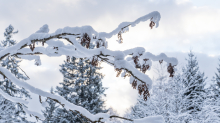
132	63
185	98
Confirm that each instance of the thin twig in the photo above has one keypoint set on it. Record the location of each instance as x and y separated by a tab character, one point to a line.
114	116
78	116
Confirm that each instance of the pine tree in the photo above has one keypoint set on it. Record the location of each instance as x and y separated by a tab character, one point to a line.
158	103
81	86
194	82
7	109
216	86
50	112
211	110
141	109
12	112
165	99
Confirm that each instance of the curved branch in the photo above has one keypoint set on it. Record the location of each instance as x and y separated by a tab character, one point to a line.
61	100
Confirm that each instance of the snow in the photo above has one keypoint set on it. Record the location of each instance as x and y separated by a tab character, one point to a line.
1	77
150	119
43	29
33	113
162	56
45	104
55	43
13	99
135	51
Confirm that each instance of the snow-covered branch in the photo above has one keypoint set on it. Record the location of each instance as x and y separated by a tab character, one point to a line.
133	62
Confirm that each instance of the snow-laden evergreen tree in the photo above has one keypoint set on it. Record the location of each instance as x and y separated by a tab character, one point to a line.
166	99
7	109
11	112
161	95
141	109
194	82
162	99
210	112
176	89
50	110
9	32
216	83
211	109
81	86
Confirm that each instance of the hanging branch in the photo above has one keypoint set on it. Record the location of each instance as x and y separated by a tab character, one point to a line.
40	99
170	69
95	61
85	40
152	24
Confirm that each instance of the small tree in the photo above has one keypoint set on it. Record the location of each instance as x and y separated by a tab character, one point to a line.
50	110
166	99
211	110
141	109
82	86
194	82
157	103
216	83
11	63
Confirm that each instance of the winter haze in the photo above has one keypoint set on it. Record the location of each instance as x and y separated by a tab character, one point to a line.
184	25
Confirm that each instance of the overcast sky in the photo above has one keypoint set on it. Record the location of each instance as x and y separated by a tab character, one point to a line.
184	25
